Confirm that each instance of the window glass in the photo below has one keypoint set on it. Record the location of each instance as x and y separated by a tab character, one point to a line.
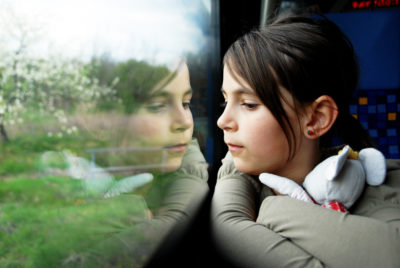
104	127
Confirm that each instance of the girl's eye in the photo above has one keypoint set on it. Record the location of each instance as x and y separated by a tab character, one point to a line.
223	105
156	107
186	105
250	106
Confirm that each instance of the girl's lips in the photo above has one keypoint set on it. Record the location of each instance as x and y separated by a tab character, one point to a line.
234	147
176	148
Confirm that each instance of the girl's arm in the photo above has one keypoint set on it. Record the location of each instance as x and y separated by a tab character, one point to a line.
369	239
130	244
187	189
237	234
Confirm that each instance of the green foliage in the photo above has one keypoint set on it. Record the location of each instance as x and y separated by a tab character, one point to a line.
24	153
136	80
48	190
14	165
53	85
58	87
53	221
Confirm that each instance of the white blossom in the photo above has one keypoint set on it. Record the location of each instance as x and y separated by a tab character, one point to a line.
46	82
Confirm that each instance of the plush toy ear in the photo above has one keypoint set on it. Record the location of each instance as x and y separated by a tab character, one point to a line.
374	164
336	163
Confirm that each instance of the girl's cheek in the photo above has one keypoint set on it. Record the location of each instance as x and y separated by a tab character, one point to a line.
145	126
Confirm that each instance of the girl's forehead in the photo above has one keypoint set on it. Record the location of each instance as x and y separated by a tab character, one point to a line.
181	80
179	85
233	83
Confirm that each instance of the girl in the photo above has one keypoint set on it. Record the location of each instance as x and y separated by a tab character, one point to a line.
287	88
162	120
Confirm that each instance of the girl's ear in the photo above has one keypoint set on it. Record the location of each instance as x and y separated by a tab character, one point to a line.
321	115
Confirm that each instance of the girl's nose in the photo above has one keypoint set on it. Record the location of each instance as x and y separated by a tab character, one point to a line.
181	119
226	121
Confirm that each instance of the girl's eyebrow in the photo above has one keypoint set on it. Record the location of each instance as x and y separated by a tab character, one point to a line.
240	91
162	93
188	92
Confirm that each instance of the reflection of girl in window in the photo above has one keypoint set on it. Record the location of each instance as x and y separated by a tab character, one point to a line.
161	120
287	88
140	215
164	119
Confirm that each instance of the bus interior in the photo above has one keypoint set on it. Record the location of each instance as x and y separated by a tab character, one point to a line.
74	72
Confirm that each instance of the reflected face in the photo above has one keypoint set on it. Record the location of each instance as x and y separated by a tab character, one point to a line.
253	135
165	120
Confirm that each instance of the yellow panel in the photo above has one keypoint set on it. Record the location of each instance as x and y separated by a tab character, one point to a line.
391	116
363	100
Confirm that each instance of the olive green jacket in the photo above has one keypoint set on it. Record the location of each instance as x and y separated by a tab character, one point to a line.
254	228
182	194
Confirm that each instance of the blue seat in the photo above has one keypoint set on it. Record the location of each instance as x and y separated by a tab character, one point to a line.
379	113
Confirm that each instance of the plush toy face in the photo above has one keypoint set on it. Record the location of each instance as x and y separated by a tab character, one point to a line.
341	179
336	179
345	188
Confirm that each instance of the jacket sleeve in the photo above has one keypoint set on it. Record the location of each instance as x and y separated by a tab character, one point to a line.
132	244
188	189
368	237
238	236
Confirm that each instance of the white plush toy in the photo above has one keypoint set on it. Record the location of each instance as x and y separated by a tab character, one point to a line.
336	182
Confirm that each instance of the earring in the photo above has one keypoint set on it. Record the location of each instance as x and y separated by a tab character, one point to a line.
310	132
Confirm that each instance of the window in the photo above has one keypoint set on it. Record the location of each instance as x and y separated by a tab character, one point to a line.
100	157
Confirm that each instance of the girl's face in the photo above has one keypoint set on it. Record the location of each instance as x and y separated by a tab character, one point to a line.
253	135
165	121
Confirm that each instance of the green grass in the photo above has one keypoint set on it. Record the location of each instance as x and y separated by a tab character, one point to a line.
52	221
23	153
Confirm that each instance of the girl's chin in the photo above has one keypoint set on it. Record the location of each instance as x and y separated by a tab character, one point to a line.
246	167
172	165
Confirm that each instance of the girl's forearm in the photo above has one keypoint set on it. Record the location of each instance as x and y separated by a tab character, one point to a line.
244	241
337	239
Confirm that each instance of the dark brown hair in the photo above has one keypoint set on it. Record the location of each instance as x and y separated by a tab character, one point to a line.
310	57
